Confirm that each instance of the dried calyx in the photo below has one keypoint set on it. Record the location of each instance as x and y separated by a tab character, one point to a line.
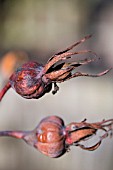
32	80
53	138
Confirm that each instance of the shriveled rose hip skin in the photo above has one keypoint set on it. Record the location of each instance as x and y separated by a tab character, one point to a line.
33	80
53	138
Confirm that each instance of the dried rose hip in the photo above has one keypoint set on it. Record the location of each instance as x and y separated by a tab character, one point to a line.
33	80
52	138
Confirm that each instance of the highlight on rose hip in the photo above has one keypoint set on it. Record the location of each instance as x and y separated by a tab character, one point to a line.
53	138
32	80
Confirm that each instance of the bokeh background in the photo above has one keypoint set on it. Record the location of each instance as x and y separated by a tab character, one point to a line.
35	30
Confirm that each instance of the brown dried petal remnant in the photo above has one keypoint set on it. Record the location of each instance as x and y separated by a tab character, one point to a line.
33	80
53	138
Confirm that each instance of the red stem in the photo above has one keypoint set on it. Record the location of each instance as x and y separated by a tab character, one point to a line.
15	134
4	90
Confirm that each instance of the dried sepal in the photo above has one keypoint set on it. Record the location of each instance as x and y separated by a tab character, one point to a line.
53	138
79	132
32	80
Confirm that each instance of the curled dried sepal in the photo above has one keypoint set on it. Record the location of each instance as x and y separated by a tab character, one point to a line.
62	55
79	132
32	80
53	138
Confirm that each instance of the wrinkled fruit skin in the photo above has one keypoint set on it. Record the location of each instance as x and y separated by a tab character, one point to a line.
28	81
51	138
33	80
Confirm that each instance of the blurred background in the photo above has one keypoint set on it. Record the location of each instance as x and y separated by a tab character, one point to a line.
35	30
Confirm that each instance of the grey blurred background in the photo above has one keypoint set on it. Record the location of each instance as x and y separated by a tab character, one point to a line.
35	30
